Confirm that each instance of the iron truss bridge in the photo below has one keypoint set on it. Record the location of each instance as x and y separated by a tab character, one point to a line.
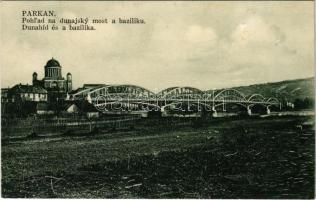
136	98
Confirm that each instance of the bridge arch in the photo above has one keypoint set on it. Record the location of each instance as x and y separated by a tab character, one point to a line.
230	95
130	89
273	100
256	98
122	91
178	92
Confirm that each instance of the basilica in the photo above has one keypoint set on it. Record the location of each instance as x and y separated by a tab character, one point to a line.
56	85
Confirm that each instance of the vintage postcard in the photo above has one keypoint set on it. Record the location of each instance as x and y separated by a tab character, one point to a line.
157	99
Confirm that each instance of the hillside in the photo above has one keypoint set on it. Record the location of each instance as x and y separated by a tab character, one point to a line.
287	90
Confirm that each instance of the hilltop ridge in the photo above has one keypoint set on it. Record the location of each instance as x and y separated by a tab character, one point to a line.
288	90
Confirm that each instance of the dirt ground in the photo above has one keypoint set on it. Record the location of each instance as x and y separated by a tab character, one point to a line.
269	157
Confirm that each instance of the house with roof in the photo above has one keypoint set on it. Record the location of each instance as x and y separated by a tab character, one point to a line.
27	92
82	108
69	107
88	109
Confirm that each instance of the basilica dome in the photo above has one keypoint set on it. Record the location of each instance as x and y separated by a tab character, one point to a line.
52	63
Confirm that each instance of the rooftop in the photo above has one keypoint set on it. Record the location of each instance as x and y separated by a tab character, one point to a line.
19	88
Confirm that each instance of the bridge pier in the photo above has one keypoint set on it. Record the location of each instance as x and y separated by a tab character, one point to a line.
268	111
249	110
89	98
67	96
214	112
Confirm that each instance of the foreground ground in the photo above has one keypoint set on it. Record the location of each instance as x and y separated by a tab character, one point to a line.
240	158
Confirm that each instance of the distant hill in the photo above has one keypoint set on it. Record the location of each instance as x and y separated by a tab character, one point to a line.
288	90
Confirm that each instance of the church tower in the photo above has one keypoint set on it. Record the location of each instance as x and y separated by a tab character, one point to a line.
69	82
34	78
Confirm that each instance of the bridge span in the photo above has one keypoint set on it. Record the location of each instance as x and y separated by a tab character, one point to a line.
184	99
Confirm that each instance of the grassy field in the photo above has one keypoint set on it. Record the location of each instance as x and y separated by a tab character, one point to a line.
230	158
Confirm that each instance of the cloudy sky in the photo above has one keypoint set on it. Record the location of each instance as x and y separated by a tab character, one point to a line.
200	44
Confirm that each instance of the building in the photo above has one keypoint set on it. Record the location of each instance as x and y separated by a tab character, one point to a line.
4	99
21	100
43	108
70	107
4	95
88	109
22	93
56	85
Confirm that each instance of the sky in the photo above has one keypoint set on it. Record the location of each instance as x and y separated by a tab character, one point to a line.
204	44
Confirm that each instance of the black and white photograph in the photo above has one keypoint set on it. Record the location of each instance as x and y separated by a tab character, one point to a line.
157	99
